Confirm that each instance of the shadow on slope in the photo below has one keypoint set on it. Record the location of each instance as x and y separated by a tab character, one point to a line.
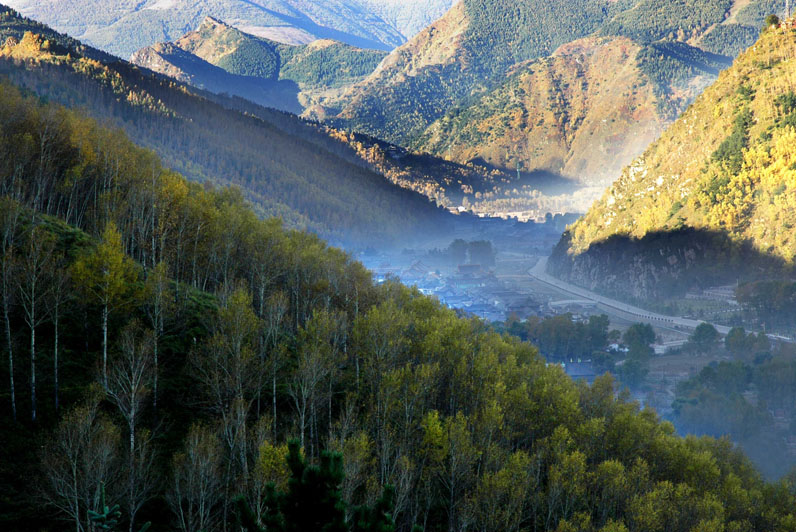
278	161
663	264
324	32
282	95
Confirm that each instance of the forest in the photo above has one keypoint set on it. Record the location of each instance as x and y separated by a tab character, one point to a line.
333	65
729	39
671	66
750	399
651	21
167	351
304	177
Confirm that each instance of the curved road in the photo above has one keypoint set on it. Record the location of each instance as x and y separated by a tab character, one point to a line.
539	273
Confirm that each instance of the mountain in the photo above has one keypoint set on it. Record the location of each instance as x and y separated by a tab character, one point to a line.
221	59
451	90
302	79
233	374
285	166
709	203
445	91
173	61
121	27
585	111
461	54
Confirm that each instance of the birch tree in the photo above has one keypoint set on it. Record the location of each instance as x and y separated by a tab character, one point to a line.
128	384
159	303
196	480
9	218
271	352
228	368
33	282
106	275
316	359
80	457
59	298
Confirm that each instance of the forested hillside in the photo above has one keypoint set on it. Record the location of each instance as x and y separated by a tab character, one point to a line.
285	166
750	400
469	88
712	200
222	59
721	26
585	111
469	49
161	344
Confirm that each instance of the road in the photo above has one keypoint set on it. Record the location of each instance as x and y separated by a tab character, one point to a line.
539	273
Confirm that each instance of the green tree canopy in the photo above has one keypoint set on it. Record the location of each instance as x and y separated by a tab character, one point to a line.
704	339
638	335
106	275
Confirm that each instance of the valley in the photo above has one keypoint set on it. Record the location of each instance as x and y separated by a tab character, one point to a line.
397	266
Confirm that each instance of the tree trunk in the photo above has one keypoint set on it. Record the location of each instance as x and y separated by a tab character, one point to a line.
273	396
105	346
312	430
55	358
10	345
76	502
302	412
330	411
132	473
155	376
356	363
33	370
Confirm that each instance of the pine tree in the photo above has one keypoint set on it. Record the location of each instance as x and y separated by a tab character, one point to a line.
107	517
379	517
313	501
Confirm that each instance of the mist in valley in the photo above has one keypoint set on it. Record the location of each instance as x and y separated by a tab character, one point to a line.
372	265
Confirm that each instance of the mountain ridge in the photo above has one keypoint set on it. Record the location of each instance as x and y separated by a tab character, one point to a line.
121	27
584	112
470	54
301	177
222	59
724	169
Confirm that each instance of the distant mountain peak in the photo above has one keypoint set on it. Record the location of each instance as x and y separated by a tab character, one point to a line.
121	27
212	23
223	59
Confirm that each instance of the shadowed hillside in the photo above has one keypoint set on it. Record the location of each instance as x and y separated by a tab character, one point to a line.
725	167
221	59
284	166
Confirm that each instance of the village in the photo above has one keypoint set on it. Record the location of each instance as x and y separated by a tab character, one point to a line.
473	273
